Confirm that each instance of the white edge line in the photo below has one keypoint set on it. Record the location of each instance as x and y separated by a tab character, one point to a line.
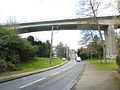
32	82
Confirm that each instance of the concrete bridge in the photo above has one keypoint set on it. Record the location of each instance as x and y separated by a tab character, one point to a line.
107	24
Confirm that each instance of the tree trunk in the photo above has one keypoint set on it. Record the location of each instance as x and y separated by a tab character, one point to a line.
91	56
104	55
103	44
99	58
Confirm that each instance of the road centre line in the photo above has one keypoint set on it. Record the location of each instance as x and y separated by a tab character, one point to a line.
60	71
33	82
65	69
55	73
43	78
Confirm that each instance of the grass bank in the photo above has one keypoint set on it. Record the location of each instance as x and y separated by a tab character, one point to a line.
111	64
37	64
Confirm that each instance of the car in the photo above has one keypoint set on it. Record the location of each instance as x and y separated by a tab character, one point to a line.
64	58
55	57
78	59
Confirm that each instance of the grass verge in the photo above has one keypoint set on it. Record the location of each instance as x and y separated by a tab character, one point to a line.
111	64
37	64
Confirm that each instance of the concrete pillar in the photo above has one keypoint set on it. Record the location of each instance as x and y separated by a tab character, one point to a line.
110	42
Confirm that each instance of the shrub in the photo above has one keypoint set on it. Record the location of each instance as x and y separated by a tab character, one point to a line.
27	51
14	49
7	66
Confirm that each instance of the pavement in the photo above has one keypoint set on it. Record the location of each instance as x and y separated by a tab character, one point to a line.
93	79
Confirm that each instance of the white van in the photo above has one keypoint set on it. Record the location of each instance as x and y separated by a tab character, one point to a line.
78	59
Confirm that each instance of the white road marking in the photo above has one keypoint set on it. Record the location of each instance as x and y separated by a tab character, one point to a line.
55	73
65	69
68	68
61	71
32	82
44	78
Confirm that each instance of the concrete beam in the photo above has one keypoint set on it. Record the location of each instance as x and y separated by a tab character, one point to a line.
69	24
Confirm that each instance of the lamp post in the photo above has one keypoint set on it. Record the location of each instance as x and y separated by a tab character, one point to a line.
51	46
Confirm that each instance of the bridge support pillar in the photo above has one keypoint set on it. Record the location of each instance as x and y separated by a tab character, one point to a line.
110	42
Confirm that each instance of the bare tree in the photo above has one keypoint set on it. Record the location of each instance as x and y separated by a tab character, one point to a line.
92	4
117	5
86	39
93	44
90	8
12	24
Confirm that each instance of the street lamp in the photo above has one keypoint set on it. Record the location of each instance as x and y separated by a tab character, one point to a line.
51	45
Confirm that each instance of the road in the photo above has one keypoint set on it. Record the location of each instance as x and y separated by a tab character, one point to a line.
61	78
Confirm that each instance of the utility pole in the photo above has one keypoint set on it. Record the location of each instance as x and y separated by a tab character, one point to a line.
51	46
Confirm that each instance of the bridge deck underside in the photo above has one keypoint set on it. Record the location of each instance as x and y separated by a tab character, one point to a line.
63	27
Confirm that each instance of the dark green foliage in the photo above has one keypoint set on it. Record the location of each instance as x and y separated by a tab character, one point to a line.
118	54
14	49
118	60
44	47
82	52
61	50
31	39
27	51
93	49
7	66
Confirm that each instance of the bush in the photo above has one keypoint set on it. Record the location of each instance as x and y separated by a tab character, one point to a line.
7	66
27	51
14	49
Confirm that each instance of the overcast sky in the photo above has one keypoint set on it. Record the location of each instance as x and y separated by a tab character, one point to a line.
39	10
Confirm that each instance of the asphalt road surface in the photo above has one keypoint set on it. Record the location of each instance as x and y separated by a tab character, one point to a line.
61	78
